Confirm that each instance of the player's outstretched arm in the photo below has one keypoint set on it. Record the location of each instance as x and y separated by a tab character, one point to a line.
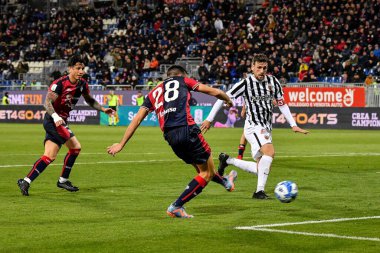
117	147
288	116
222	96
94	104
216	93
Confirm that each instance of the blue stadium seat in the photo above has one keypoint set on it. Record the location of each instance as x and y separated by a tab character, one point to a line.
320	78
145	74
235	80
337	79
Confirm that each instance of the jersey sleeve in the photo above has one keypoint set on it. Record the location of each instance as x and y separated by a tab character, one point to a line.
237	89
147	104
191	83
278	92
56	87
86	89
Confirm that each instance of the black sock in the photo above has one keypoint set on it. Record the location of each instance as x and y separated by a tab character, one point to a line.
193	189
38	167
218	179
69	161
241	149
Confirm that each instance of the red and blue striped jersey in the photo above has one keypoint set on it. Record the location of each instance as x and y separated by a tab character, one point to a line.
68	94
170	101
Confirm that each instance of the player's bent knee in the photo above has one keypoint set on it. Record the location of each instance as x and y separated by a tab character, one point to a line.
207	175
48	159
269	152
74	151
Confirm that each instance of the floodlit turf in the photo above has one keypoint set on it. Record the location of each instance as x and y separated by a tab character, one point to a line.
122	200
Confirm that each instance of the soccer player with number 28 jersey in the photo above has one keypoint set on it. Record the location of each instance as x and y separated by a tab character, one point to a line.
62	96
170	101
259	91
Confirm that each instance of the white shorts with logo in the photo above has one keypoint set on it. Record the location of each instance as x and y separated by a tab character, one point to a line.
257	136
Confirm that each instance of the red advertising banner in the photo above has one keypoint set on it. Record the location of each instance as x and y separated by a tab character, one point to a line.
325	96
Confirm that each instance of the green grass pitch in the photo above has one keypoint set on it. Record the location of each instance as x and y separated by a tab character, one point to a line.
121	205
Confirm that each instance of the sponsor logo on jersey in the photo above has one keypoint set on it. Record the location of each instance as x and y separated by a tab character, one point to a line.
162	113
261	98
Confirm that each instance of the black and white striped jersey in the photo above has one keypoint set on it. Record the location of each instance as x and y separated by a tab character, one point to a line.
259	97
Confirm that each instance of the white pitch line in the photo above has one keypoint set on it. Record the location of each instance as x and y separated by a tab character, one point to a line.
318	235
149	161
104	162
98	153
310	222
264	228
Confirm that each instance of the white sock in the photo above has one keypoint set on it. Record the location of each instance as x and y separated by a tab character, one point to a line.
27	180
247	166
263	172
62	180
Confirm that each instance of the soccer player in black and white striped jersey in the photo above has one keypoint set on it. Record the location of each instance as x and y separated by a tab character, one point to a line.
260	92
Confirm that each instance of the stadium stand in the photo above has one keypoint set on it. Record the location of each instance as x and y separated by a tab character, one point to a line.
337	41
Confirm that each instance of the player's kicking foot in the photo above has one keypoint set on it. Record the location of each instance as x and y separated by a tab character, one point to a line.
24	187
230	180
67	186
222	163
178	212
240	157
260	195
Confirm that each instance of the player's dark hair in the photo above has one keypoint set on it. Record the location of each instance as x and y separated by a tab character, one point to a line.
74	60
260	58
176	70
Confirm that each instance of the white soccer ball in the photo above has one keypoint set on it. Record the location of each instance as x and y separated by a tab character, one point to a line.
286	191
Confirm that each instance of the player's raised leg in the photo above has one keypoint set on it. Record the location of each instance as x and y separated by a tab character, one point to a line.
225	160
228	182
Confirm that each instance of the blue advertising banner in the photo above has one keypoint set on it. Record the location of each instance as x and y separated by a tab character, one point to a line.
127	113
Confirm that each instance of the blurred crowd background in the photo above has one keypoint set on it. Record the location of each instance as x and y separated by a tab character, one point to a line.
131	43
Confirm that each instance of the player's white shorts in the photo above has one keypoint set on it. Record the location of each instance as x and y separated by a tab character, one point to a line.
257	136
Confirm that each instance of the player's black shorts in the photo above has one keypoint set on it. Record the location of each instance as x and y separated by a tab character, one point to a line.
58	135
113	108
188	144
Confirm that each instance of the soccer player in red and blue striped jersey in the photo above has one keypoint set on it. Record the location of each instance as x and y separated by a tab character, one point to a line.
170	101
62	96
